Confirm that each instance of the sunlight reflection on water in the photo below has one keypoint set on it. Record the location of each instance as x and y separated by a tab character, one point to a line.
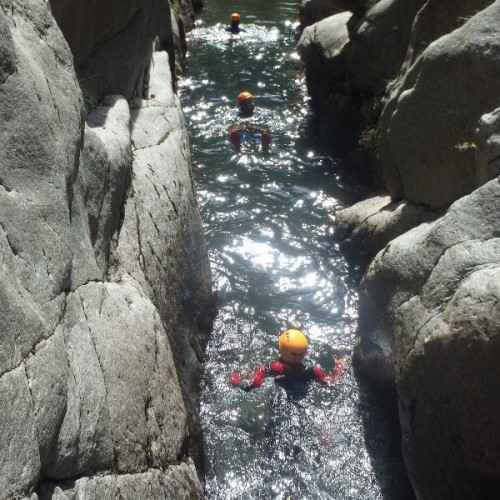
268	220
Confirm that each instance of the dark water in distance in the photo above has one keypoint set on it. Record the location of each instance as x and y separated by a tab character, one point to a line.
268	219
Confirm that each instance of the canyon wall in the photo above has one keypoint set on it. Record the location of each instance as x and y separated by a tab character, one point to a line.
409	92
105	279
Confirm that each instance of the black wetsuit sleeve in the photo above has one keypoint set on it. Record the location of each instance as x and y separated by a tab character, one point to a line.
309	374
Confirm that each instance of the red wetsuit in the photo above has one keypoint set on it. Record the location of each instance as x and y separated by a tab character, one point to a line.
288	372
239	133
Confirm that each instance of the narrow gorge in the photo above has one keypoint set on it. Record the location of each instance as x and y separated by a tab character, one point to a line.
126	220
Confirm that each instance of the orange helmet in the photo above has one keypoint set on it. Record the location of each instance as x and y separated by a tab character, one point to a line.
292	346
235	17
245	96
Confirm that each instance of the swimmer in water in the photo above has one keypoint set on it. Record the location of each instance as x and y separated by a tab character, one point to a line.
247	130
245	101
234	27
292	347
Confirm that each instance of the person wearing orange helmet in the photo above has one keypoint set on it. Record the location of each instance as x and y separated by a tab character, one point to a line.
292	347
245	101
234	28
248	130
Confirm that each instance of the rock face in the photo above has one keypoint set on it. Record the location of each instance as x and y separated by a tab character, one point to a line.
443	97
312	11
366	227
366	53
321	47
418	83
405	87
179	482
103	267
437	289
113	42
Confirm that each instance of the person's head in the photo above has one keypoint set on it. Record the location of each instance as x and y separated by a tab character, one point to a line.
235	18
245	100
292	346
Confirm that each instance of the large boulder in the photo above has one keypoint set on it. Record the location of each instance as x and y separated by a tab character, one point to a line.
435	19
427	145
436	291
322	47
349	60
379	44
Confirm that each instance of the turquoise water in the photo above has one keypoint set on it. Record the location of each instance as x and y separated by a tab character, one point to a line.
269	220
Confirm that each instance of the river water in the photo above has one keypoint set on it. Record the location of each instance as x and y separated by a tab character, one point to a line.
268	218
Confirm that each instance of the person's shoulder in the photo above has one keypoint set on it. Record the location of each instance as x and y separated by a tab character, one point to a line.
276	367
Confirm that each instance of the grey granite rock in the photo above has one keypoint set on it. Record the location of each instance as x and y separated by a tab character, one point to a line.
366	227
437	18
426	146
321	47
7	51
19	457
106	164
161	243
177	482
487	139
88	382
380	43
112	42
436	291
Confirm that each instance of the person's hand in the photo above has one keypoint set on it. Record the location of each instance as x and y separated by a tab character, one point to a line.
236	379
340	362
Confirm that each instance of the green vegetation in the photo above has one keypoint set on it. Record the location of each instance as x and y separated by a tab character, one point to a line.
89	100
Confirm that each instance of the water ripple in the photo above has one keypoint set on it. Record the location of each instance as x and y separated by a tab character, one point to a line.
269	220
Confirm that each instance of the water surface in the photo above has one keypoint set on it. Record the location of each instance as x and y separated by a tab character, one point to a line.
269	220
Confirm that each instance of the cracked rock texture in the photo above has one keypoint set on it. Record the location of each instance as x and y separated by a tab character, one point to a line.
104	274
